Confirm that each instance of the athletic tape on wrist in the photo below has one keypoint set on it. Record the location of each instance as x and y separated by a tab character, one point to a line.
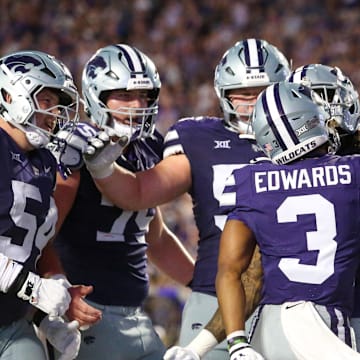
203	342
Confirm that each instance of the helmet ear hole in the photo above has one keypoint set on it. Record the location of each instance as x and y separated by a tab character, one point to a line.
103	96
6	97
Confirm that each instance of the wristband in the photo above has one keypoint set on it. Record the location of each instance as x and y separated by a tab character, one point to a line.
203	342
236	337
19	282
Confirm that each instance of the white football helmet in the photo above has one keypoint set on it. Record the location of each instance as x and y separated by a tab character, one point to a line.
336	89
121	67
23	75
249	63
289	121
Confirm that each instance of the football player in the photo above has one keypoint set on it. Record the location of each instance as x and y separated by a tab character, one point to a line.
200	153
102	244
344	107
38	98
294	210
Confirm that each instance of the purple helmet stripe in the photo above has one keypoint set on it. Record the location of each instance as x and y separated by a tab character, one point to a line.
283	117
130	61
254	58
127	57
303	71
269	120
260	54
140	59
247	53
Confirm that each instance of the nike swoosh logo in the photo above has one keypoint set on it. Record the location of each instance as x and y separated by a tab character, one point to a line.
293	305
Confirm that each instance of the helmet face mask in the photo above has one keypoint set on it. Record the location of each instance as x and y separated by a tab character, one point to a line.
289	122
249	64
336	90
23	76
125	68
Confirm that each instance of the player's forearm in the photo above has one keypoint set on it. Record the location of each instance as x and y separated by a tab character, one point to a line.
216	326
231	297
121	188
252	282
171	257
49	263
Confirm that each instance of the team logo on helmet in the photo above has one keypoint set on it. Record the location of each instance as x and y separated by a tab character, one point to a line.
93	66
22	63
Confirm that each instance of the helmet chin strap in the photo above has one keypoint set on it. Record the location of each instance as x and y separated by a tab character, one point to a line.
36	137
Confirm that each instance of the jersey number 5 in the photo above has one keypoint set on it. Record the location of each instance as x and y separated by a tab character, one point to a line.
29	233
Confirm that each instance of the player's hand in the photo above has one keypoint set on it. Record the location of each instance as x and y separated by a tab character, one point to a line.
48	295
244	351
69	145
64	336
79	310
179	353
101	163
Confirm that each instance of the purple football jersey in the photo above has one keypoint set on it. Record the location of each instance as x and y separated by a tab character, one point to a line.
27	212
214	151
103	245
305	217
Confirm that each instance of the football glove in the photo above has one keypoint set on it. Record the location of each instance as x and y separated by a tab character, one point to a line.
64	336
179	353
69	145
239	348
48	295
101	163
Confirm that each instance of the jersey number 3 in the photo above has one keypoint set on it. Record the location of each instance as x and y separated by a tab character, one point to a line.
322	239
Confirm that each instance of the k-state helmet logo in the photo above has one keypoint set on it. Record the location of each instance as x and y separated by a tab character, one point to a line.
22	63
94	64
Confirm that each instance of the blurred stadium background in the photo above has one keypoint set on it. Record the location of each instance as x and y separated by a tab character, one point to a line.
186	39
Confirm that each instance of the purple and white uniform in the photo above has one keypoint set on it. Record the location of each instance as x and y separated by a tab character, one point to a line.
214	152
309	242
28	212
102	245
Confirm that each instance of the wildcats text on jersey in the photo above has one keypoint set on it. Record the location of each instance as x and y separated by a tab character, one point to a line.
302	178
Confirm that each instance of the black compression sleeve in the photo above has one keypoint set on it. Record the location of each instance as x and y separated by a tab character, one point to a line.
18	282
